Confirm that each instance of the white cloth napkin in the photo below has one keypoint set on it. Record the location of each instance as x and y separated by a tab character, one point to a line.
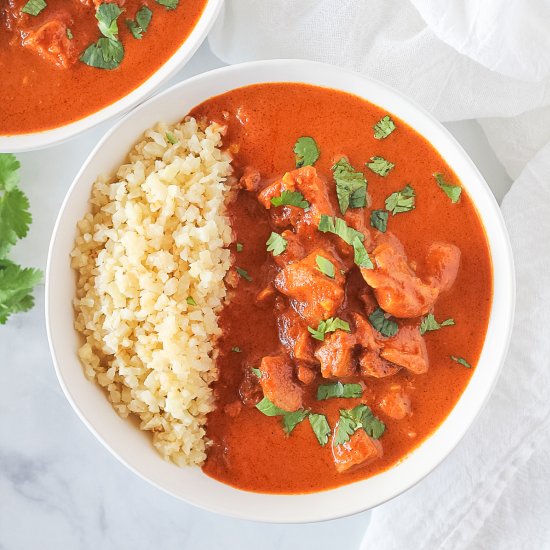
460	59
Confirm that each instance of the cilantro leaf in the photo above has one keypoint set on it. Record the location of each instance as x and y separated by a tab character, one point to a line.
171	138
69	33
266	407
360	254
461	361
276	244
379	220
452	191
191	301
169	4
351	186
15	219
239	247
292	419
429	323
330	325
290	198
352	420
243	273
9	172
338	389
326	267
320	427
257	372
382	324
338	226
106	53
307	151
380	166
401	201
107	15
34	7
140	26
16	285
384	127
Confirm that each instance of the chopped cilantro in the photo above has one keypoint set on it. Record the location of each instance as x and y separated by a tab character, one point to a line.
338	226
276	244
107	15
171	138
401	201
326	267
380	166
307	151
190	301
351	186
257	372
141	24
34	7
338	389
384	127
330	325
236	349
69	33
169	4
239	247
461	361
292	419
429	323
379	220
266	407
452	191
360	254
290	198
352	420
320	427
382	324
244	274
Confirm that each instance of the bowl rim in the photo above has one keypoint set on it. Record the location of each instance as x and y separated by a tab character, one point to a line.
32	141
505	322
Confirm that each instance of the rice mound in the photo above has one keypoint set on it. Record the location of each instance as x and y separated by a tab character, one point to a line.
154	245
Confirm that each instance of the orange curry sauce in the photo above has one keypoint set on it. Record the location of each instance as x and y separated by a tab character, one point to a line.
40	91
250	450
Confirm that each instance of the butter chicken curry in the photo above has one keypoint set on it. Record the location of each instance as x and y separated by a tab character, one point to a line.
62	60
361	291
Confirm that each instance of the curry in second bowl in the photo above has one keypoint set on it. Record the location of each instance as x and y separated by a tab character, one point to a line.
290	288
64	60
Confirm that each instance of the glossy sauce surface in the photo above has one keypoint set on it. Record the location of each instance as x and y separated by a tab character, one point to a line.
38	94
250	450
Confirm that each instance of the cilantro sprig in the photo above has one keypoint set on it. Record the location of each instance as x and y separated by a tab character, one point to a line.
276	244
307	151
351	186
354	419
16	282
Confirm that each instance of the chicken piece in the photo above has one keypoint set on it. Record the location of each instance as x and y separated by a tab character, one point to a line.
278	384
295	337
396	404
294	249
364	333
407	349
304	374
371	364
319	296
250	390
442	262
359	450
307	182
50	42
397	288
250	180
336	354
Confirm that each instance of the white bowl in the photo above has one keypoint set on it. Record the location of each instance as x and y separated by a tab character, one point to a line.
39	140
132	447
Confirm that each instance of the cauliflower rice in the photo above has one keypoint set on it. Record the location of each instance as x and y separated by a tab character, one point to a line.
151	258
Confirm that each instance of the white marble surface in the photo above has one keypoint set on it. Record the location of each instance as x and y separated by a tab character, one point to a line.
59	488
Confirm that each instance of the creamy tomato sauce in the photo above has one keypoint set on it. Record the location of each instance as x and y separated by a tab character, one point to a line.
41	90
250	450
